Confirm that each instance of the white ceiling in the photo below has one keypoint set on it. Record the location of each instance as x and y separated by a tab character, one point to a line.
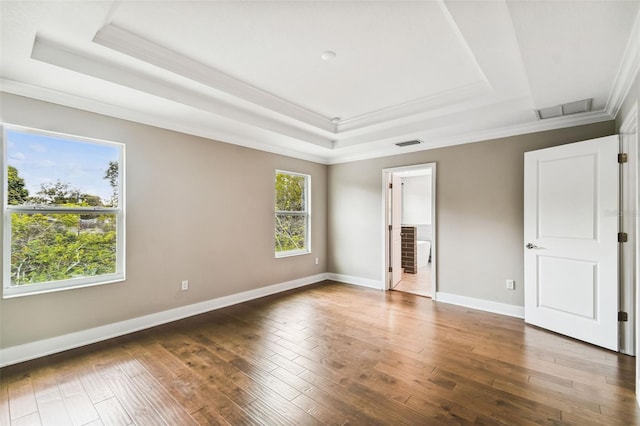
251	73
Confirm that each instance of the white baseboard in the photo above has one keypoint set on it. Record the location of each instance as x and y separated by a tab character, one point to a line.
32	350
349	279
481	304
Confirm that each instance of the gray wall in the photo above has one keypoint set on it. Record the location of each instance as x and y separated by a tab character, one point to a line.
197	209
416	200
479	211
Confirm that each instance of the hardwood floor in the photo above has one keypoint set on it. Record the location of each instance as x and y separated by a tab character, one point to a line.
330	354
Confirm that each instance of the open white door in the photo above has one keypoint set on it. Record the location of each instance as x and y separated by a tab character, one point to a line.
571	237
396	229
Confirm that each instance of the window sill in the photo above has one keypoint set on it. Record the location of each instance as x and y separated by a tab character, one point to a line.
291	253
50	287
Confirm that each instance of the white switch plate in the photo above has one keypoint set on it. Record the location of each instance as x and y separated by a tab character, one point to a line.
185	285
511	285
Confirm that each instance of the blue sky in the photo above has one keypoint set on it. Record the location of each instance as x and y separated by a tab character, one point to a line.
46	159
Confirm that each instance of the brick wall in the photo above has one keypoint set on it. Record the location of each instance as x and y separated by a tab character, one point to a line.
409	250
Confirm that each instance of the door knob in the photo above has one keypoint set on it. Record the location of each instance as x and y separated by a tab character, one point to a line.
531	246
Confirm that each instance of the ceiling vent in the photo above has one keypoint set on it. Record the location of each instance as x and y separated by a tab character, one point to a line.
564	109
409	143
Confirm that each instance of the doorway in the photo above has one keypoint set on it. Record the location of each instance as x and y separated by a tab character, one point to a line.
409	226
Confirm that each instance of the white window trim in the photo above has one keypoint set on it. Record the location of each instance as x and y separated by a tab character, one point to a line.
10	291
307	213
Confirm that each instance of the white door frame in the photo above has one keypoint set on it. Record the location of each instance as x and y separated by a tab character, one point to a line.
631	249
386	208
629	223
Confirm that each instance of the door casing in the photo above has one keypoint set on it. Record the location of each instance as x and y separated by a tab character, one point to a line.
386	220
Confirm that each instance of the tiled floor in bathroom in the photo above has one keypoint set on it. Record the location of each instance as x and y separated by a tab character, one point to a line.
419	283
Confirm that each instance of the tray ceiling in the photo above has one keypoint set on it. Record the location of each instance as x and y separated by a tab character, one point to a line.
252	73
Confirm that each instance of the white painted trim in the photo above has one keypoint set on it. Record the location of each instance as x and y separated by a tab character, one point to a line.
205	130
481	304
628	218
32	350
349	279
630	126
136	46
417	106
386	205
271	113
440	140
55	53
629	67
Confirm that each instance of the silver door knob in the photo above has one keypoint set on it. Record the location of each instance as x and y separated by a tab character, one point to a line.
531	246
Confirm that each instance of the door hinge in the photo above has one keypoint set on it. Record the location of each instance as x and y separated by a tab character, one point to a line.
390	227
390	269
623	316
623	157
623	237
390	186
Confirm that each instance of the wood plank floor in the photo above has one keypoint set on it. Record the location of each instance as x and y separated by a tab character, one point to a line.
328	354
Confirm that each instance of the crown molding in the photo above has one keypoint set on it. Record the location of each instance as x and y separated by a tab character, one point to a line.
64	56
431	102
627	72
248	139
439	140
414	107
135	46
138	47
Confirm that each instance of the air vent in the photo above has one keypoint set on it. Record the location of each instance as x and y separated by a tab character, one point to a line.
564	109
409	143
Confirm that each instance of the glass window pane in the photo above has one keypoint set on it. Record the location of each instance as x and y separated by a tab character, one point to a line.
56	171
290	192
60	246
290	232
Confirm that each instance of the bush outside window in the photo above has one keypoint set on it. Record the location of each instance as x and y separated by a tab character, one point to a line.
63	211
292	218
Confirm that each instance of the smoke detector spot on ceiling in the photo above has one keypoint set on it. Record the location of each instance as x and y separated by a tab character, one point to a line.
409	143
328	55
564	109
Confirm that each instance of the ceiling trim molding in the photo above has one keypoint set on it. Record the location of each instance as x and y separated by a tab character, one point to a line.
90	105
60	55
334	157
440	141
442	99
136	46
627	72
414	107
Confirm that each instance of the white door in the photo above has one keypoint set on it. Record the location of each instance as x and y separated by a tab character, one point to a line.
396	229
571	240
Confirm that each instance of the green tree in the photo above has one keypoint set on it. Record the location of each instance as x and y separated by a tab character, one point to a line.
57	246
17	193
112	175
291	218
51	247
56	194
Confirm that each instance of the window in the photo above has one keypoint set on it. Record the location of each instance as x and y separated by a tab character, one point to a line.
63	211
292	214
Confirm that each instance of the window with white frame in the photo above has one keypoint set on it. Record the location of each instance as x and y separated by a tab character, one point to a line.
63	211
292	213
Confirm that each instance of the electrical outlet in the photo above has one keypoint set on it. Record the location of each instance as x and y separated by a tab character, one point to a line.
511	285
316	260
185	285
